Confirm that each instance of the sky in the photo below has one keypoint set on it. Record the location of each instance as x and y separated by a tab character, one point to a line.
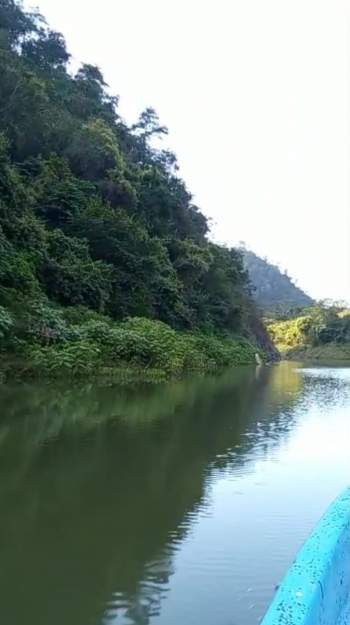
256	98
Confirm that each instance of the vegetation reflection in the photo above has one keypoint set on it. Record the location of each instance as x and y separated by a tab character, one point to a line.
99	485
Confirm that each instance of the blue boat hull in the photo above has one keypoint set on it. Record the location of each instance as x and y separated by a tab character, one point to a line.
316	589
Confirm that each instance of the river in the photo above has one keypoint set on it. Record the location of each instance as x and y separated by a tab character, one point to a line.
179	504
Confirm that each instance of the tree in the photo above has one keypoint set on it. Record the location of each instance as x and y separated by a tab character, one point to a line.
93	212
47	51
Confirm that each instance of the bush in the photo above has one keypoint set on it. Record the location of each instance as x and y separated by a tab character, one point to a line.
46	324
58	347
146	344
78	359
97	331
78	315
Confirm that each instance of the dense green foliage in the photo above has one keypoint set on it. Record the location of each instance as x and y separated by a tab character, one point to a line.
316	327
94	217
274	291
76	341
139	343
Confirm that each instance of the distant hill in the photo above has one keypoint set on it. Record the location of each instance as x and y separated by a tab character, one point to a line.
273	290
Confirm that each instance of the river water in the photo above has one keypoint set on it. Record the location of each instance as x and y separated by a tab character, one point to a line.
179	504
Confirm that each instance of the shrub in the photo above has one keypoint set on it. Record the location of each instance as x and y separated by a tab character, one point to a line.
96	330
46	324
78	359
98	345
78	315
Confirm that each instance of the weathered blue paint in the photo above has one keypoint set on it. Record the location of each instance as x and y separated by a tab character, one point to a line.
316	590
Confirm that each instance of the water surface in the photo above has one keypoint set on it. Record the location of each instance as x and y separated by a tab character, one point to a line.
177	504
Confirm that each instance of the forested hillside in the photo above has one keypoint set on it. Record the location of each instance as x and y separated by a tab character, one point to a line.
96	227
273	290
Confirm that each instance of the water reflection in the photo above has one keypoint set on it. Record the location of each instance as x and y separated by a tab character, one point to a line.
100	489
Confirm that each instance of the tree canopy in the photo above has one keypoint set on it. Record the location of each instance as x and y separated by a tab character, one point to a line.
90	212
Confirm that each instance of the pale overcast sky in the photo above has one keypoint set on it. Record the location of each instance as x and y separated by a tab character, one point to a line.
255	94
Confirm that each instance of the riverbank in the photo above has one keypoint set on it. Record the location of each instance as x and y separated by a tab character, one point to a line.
323	353
137	349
